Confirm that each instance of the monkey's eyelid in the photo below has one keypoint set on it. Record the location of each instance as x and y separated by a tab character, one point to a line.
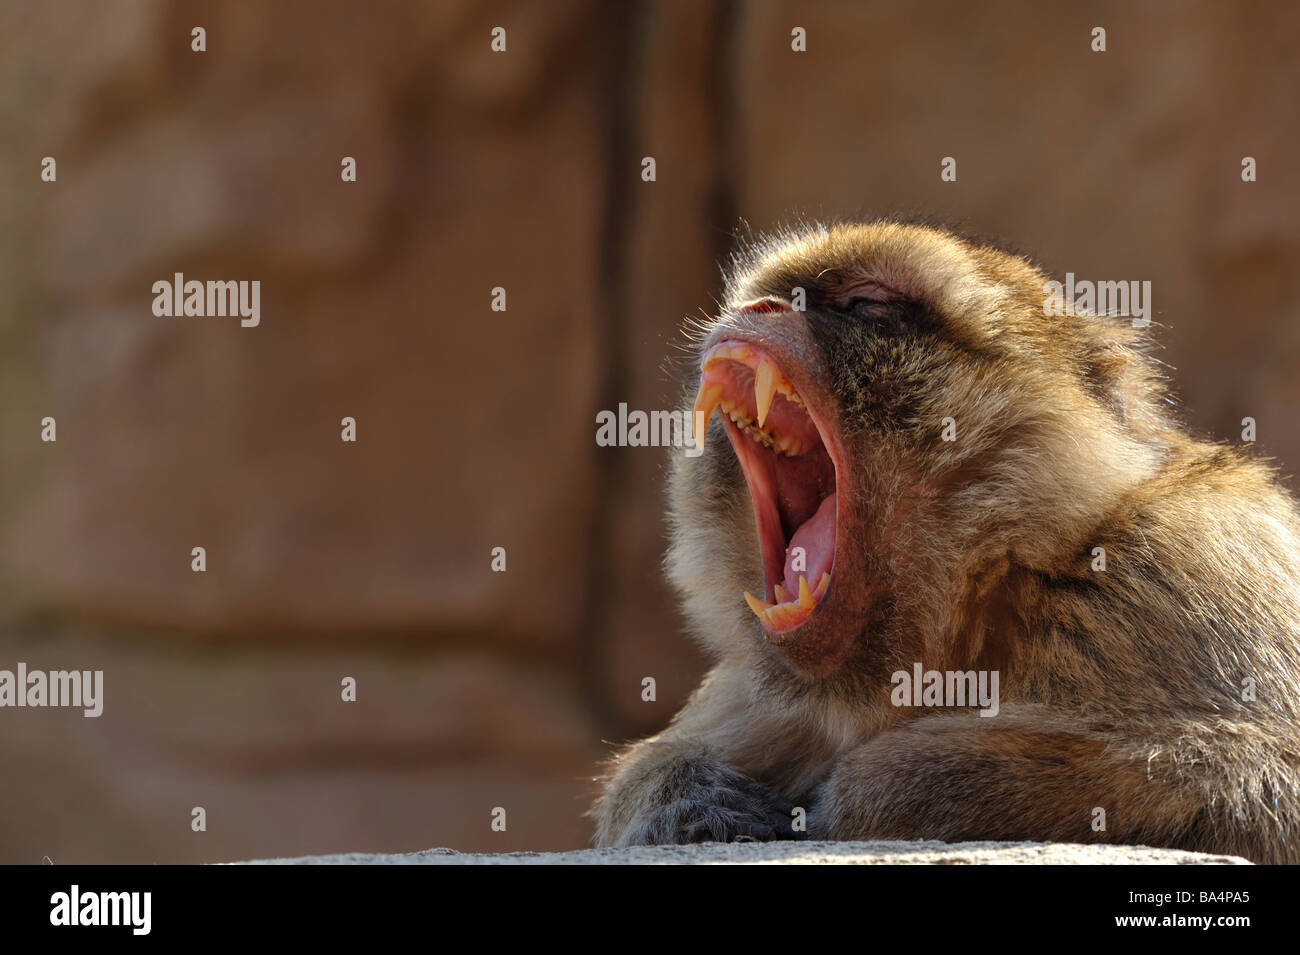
874	307
870	307
872	293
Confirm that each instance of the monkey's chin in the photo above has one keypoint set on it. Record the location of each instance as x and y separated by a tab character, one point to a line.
792	478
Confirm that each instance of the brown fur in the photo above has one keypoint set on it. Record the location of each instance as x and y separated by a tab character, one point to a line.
1120	689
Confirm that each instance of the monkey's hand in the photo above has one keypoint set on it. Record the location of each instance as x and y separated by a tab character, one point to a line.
658	799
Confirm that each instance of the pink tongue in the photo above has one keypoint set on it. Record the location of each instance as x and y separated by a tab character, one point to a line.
817	538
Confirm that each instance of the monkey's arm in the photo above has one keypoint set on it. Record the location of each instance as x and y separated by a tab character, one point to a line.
689	783
1038	775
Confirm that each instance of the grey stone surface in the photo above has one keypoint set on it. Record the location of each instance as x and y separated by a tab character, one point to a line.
795	853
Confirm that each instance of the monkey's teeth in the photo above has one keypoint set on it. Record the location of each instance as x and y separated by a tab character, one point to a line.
765	381
736	352
769	381
785	616
789	610
786	444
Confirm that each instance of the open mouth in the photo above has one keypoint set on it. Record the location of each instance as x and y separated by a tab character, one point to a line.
790	472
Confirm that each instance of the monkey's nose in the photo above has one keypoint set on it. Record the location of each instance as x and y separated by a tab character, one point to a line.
763	305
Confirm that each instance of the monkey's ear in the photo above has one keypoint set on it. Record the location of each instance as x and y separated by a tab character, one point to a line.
1107	367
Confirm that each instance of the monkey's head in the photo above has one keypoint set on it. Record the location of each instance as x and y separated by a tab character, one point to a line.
905	423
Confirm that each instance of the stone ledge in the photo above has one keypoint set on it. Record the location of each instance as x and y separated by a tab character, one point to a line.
794	853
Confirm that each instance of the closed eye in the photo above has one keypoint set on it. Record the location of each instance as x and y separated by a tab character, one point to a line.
861	306
862	295
889	315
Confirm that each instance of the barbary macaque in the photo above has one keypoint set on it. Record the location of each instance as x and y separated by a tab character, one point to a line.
916	472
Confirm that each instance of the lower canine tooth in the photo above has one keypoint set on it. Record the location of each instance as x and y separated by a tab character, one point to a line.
822	585
758	606
806	598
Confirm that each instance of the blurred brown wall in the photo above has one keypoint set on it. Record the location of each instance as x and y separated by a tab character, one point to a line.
475	428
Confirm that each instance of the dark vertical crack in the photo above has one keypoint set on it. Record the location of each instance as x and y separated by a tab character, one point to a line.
725	155
619	75
622	77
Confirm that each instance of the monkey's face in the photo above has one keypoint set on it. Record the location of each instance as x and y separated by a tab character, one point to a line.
883	389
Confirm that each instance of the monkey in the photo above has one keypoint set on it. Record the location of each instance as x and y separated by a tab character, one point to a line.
915	469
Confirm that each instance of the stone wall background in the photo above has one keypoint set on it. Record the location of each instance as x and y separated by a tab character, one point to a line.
476	428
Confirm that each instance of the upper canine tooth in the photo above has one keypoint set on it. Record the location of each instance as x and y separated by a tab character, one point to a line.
765	381
708	398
